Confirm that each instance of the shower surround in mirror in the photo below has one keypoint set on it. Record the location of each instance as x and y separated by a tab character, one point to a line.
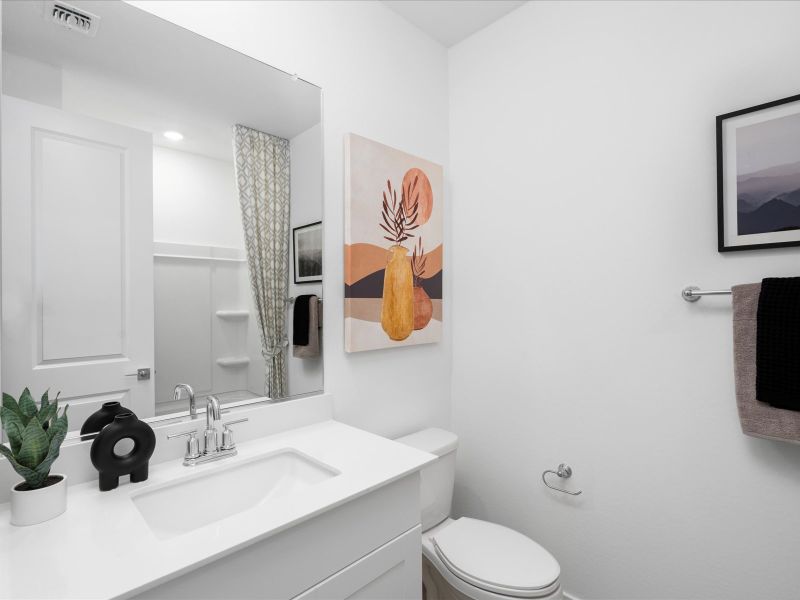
160	279
393	247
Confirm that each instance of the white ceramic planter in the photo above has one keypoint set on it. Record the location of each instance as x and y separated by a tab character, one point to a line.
36	506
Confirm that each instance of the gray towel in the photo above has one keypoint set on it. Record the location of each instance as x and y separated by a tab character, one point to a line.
757	418
312	349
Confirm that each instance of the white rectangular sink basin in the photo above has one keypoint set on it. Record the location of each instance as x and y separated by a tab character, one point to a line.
175	508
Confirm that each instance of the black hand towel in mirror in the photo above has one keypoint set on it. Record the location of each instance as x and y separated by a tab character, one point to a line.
778	343
300	320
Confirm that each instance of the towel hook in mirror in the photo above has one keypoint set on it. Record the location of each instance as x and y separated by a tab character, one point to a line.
565	472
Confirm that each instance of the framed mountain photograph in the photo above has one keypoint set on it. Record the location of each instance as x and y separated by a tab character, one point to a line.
758	176
308	253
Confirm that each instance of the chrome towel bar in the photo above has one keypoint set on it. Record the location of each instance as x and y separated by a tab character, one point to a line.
692	293
290	299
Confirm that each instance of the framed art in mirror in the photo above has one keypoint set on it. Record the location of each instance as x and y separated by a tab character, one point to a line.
307	245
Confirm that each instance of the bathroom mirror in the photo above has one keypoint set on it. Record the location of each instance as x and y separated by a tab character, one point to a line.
151	180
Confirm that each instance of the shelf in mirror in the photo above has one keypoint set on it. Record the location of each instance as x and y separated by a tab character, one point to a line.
233	361
233	315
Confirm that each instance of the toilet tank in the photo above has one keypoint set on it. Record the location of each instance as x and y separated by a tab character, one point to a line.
436	479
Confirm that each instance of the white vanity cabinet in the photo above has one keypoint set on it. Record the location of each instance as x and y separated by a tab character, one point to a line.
368	547
353	534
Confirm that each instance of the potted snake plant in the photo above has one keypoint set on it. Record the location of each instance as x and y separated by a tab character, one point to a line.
34	436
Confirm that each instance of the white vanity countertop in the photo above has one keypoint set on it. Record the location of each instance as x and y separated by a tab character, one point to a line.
101	546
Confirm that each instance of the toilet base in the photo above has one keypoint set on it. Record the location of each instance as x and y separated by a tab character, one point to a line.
434	586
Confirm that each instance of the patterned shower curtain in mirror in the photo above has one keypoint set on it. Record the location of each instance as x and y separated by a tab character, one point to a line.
262	177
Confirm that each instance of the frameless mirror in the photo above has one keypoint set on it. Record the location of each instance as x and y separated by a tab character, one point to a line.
155	185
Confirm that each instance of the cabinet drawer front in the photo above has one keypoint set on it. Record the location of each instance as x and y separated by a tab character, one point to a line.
392	572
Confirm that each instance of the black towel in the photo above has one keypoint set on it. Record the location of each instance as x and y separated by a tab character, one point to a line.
300	320
778	343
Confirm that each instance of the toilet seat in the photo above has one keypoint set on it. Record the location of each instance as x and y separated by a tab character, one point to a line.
494	559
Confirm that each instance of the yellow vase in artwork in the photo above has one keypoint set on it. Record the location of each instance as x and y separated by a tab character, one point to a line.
397	308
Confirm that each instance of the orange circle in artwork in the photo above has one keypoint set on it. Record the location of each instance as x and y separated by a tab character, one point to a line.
417	187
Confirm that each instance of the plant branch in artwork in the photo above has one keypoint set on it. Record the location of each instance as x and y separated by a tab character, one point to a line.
418	261
399	218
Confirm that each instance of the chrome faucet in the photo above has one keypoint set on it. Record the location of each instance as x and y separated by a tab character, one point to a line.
212	418
176	396
212	450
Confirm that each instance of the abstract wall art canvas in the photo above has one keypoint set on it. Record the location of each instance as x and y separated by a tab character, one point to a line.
758	176
393	250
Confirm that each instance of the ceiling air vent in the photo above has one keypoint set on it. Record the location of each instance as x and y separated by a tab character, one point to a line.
70	17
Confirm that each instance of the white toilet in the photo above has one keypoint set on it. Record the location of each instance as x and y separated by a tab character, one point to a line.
468	559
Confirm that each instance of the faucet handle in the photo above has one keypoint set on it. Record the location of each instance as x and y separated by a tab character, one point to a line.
181	434
227	434
192	445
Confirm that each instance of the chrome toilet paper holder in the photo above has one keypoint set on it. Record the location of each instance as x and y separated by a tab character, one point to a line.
564	471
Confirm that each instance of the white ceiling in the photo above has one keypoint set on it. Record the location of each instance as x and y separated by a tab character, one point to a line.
147	73
450	21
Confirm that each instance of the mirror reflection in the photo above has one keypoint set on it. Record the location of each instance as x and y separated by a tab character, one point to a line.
155	188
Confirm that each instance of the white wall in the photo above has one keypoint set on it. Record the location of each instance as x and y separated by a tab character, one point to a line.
195	200
305	374
384	79
36	81
583	167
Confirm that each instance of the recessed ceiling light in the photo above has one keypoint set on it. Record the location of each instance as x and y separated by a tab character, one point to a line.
173	135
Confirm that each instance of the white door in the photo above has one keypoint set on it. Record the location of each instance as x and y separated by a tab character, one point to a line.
77	263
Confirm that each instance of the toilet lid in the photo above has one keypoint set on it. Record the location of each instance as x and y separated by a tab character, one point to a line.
496	558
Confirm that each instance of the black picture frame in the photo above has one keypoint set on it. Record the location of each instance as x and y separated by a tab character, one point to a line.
297	235
722	235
